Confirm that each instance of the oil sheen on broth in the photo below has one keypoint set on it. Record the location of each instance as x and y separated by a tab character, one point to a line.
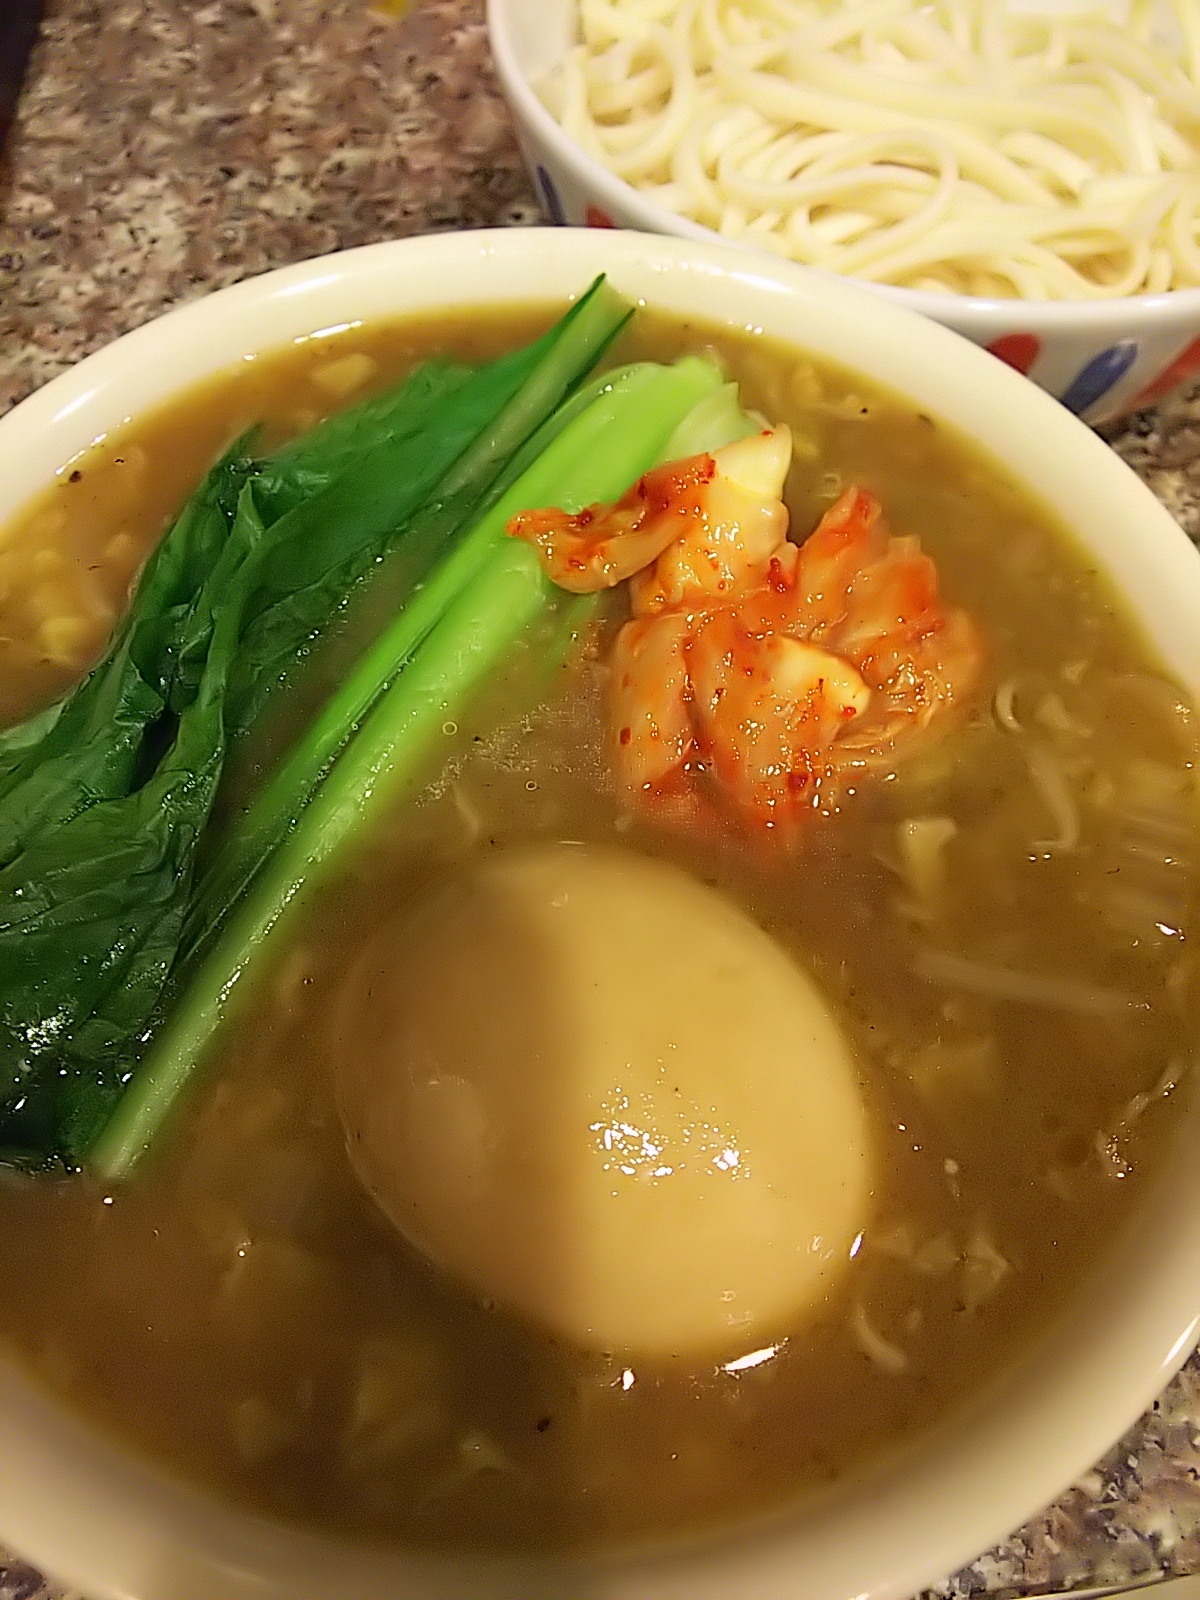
999	925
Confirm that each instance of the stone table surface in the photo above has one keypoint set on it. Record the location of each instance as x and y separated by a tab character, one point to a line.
168	147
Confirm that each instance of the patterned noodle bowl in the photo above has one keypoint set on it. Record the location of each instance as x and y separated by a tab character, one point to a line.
1101	358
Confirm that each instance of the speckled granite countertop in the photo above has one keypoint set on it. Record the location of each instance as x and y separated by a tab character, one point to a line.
167	147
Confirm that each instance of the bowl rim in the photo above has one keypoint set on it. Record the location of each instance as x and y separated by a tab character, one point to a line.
1121	1356
982	316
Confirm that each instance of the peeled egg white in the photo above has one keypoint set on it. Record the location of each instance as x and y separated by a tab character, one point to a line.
598	1094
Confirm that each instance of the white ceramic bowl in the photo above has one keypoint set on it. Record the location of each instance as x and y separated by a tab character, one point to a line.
1101	358
116	1526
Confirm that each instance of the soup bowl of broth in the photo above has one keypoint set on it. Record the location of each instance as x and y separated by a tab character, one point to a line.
598	992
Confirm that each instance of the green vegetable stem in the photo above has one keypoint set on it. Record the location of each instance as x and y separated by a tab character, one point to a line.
105	798
476	604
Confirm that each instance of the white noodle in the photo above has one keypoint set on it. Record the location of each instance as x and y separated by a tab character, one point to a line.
1028	988
1150	876
872	1343
921	843
1053	714
1005	707
1025	148
1050	781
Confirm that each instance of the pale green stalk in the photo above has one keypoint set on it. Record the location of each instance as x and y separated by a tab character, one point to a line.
485	596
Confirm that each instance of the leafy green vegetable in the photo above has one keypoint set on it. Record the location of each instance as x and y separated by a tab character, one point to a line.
105	798
300	573
280	803
477	602
90	745
716	421
311	462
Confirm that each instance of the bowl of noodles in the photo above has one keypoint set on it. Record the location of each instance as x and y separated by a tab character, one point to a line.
514	1174
1026	172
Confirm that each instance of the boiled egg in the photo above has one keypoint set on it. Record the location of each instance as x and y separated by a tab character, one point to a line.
596	1093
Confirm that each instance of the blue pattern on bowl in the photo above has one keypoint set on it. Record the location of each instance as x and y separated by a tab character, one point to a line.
1099	375
550	199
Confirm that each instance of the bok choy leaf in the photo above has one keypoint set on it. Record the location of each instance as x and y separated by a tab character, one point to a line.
105	799
452	634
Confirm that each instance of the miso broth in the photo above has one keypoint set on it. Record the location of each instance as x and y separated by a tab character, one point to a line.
1002	923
